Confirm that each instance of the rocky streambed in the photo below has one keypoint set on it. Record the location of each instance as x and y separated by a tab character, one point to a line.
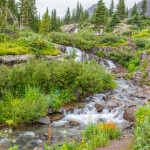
117	106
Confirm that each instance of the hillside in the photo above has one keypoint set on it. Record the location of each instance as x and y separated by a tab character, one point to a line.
91	9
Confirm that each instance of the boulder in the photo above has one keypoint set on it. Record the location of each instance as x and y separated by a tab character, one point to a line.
44	120
112	104
129	114
99	107
60	110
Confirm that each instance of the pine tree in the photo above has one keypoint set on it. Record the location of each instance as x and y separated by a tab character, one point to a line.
45	23
77	12
100	15
144	8
121	9
115	20
111	10
73	18
134	10
127	13
54	26
28	15
67	18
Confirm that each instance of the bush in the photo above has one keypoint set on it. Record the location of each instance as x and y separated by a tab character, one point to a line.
25	109
142	128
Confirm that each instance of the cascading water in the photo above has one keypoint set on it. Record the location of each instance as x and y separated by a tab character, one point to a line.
30	138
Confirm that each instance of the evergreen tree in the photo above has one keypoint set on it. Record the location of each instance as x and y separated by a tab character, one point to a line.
127	13
28	14
115	20
111	10
134	10
45	23
73	17
67	18
77	12
121	9
54	26
100	15
144	8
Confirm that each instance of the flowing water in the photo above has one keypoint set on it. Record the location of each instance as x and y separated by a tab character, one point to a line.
62	129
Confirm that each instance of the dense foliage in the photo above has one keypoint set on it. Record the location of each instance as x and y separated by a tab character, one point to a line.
47	84
142	128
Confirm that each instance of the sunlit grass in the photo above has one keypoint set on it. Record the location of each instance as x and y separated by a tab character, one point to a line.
8	48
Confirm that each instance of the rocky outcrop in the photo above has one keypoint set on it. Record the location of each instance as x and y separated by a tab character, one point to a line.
121	28
69	28
14	59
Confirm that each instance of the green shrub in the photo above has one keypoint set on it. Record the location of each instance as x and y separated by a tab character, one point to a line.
142	128
25	109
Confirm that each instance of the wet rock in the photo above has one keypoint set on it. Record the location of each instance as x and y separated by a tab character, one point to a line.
60	110
38	148
62	48
99	107
69	28
28	135
57	117
73	123
44	120
112	104
5	143
129	113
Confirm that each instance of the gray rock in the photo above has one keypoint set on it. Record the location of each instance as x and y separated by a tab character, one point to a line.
13	59
112	104
28	135
60	110
44	120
